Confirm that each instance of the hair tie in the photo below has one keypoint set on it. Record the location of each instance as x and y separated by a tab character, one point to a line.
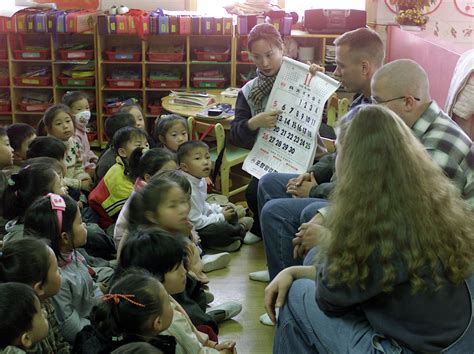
58	204
116	299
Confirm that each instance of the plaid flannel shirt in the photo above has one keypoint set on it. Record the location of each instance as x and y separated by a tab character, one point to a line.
449	147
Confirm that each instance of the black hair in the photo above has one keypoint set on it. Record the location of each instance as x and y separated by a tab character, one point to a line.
47	121
149	162
127	107
165	122
53	163
48	146
42	219
31	182
17	309
71	97
122	318
155	250
18	133
117	121
124	135
176	176
185	148
25	260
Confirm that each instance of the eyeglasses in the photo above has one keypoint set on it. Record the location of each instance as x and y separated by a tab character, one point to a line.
375	100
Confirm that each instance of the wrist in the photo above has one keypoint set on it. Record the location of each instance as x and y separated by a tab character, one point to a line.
251	124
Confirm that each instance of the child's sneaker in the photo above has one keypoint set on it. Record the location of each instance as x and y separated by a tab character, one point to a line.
234	246
122	10
209	296
224	311
265	319
217	261
250	238
246	222
261	275
113	10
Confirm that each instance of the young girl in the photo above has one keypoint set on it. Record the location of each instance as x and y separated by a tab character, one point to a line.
394	257
137	112
143	250
136	309
143	165
32	262
23	322
58	219
108	198
171	131
58	122
79	105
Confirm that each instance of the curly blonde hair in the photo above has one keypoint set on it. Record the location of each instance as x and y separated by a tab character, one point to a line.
393	203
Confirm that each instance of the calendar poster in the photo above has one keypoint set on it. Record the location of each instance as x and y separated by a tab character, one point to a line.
291	145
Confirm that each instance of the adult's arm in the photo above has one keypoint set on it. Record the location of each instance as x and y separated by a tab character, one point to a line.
240	132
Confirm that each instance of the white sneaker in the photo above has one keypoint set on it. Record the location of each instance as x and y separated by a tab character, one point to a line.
234	246
250	238
209	296
261	275
122	10
265	319
212	262
113	10
224	311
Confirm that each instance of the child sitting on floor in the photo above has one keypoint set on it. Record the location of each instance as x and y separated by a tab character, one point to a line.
20	135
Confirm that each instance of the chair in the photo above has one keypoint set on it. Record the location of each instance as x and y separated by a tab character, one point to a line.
330	144
336	108
231	156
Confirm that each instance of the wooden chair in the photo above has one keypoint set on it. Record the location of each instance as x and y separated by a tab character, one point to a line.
231	156
330	144
336	108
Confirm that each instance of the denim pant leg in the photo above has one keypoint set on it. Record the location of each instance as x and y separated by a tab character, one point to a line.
280	219
272	186
303	328
311	210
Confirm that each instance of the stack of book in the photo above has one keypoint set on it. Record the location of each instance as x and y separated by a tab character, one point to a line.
198	99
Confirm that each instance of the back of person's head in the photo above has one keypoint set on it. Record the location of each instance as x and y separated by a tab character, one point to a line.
72	97
135	301
137	348
30	183
48	146
18	309
155	250
57	166
46	123
164	123
19	133
125	135
266	32
409	212
42	218
28	260
363	44
145	163
186	149
117	121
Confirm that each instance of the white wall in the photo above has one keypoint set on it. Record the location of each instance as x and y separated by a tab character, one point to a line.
173	5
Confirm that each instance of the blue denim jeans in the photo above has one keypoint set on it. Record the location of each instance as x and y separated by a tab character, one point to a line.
280	217
304	328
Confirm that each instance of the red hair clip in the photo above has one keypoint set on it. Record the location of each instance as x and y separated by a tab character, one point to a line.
58	204
116	298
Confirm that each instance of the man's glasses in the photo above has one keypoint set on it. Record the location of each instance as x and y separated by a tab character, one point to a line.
375	100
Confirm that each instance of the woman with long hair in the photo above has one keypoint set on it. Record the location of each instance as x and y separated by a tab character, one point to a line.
394	261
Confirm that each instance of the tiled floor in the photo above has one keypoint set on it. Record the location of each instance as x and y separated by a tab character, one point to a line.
232	283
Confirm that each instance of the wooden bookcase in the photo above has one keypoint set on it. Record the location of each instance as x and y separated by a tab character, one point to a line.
106	64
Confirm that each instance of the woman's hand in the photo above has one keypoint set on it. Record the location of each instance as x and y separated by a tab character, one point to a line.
300	186
314	68
275	292
227	347
263	120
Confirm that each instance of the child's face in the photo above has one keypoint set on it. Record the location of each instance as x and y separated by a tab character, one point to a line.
197	163
175	281
20	154
62	126
81	111
139	119
58	186
175	136
172	213
39	326
167	311
6	152
137	142
51	285
79	234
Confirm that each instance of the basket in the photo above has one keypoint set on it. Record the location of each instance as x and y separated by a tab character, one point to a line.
164	83
244	56
123	56
209	83
83	54
5	107
4	81
32	54
33	81
124	83
212	56
33	107
155	109
111	109
155	56
3	54
69	81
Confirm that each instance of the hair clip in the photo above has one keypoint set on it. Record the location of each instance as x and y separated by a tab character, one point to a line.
116	298
11	182
58	204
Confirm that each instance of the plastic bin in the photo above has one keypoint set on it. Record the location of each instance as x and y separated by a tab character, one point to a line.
4	81
164	83
155	109
244	56
212	56
5	107
69	81
124	83
123	56
33	107
209	82
82	54
166	57
3	54
111	109
33	81
32	54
